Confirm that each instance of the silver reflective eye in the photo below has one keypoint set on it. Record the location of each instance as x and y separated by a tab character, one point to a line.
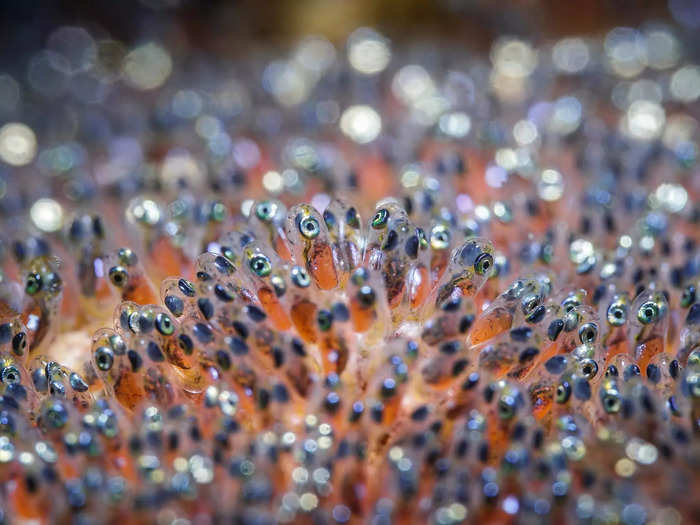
309	227
617	313
611	401
104	357
300	277
588	333
589	368
10	375
648	312
266	210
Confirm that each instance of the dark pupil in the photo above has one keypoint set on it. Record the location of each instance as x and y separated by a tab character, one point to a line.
264	210
587	369
618	314
649	312
309	226
485	264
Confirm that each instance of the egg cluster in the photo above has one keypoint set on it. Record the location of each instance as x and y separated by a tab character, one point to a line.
471	296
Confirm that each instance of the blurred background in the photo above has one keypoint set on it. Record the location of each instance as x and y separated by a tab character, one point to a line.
227	27
76	75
